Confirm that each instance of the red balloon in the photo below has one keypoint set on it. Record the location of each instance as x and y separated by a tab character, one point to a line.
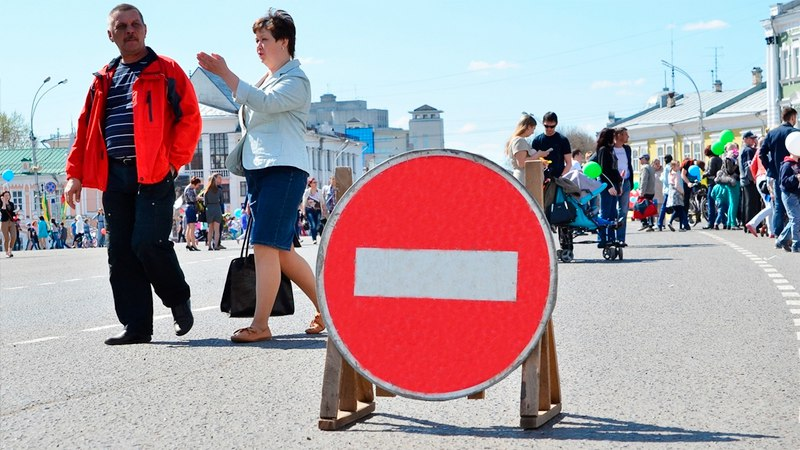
103	231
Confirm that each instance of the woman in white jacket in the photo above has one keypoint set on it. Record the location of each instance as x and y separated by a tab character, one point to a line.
274	162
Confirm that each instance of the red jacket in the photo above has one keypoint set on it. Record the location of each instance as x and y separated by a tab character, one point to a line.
166	124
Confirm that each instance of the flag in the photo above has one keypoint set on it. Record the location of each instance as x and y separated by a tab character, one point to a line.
45	209
63	207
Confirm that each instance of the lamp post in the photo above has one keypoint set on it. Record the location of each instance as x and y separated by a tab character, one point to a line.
699	101
34	104
341	150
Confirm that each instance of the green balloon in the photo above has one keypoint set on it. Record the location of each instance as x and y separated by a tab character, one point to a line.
718	148
726	137
635	185
592	169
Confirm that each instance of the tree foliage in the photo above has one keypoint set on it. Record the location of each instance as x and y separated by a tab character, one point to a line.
13	131
580	139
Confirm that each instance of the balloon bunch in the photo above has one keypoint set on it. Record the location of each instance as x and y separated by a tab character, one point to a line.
793	143
8	175
726	137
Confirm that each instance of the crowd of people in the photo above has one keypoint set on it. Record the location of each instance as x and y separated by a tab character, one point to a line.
22	233
755	190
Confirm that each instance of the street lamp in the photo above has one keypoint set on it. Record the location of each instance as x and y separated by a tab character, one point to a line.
341	150
699	101
34	104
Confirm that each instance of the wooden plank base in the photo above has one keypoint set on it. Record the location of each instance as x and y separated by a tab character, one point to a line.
345	418
532	422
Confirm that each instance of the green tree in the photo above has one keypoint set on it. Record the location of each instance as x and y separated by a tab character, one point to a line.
13	131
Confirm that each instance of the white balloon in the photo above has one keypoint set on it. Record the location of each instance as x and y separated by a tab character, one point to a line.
793	143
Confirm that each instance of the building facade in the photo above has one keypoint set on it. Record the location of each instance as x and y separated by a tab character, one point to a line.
782	35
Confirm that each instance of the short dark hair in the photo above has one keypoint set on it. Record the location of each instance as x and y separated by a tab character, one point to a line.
576	152
787	113
550	116
667	159
619	130
280	24
127	7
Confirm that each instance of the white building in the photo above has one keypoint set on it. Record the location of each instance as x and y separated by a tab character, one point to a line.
782	33
426	128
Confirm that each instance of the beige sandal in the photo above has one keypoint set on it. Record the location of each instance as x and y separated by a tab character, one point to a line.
250	334
316	326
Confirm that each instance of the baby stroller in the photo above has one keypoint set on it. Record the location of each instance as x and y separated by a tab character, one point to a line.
571	211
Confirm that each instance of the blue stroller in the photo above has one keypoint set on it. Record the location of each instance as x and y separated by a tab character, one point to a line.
572	212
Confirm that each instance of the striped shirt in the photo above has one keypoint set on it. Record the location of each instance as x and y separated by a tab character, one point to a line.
119	109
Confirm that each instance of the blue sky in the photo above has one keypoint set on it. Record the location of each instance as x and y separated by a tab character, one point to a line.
482	63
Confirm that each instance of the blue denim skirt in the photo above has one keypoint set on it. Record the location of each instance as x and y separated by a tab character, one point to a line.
275	195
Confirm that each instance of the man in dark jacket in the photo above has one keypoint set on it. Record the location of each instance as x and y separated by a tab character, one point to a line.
750	198
772	155
789	179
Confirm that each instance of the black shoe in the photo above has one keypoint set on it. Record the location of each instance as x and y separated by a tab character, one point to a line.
621	244
183	318
128	337
671	228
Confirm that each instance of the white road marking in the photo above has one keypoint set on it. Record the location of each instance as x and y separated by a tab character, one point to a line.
775	275
470	274
205	308
104	327
784	287
49	283
780	281
797	322
73	280
33	341
770	270
98	276
792	302
794	311
14	288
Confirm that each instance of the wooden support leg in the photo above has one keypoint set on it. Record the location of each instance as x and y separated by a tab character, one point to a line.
540	399
342	393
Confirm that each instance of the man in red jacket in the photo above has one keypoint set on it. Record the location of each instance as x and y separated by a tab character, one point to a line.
139	125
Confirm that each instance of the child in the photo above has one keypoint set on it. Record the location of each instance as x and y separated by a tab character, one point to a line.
790	183
719	195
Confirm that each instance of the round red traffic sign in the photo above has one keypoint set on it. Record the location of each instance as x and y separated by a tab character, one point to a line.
436	274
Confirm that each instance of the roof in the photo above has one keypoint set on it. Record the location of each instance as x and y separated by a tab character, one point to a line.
51	160
210	111
687	107
426	108
752	104
223	89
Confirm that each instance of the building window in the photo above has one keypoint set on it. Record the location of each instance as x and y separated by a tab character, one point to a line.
219	150
243	188
197	159
18	199
784	64
697	151
796	62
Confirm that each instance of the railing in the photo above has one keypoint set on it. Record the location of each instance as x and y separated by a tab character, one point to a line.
201	174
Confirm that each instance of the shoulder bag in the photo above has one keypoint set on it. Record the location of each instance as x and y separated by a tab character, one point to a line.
239	294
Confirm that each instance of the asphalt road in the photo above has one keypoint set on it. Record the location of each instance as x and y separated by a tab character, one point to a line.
692	341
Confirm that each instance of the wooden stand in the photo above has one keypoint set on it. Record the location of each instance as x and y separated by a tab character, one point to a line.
540	398
348	397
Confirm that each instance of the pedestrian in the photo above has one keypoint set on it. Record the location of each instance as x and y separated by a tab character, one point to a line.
190	209
329	194
577	159
623	152
688	191
658	171
42	232
273	115
62	235
33	237
730	166
211	196
763	219
719	196
314	208
665	188
7	224
519	150
789	177
140	124
714	165
610	196
647	186
100	223
772	154
558	146
675	196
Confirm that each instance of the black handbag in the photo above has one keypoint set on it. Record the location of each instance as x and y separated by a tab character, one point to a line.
239	294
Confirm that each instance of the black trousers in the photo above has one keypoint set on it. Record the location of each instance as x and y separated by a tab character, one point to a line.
751	201
140	252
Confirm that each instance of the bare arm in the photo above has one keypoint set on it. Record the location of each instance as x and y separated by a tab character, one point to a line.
216	64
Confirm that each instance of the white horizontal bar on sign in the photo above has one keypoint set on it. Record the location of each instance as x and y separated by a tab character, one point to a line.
436	274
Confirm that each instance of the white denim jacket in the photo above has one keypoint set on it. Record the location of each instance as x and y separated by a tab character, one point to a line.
273	118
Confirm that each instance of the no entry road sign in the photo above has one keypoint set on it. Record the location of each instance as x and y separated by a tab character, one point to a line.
436	274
